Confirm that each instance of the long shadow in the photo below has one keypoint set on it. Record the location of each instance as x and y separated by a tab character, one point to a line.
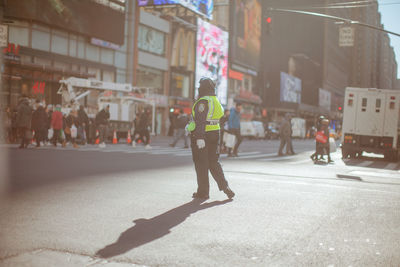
30	168
148	230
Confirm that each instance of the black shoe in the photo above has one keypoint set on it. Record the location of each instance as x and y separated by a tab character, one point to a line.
330	161
21	147
280	154
230	155
171	145
200	196
229	192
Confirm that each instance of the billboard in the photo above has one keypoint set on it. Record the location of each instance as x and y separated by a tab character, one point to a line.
290	88
202	7
325	99
84	16
246	33
212	57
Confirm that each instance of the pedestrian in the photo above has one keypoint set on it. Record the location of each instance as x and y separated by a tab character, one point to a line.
205	130
222	122
49	116
83	130
181	123
24	119
40	123
6	120
142	129
289	146
234	128
322	141
72	123
57	125
285	132
102	119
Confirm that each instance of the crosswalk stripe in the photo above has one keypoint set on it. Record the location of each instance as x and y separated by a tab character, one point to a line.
275	158
391	166
255	155
365	163
300	161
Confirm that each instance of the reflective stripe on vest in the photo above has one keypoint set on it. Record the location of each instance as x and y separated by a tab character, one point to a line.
215	112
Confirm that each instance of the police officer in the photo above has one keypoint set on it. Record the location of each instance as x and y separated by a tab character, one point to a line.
204	129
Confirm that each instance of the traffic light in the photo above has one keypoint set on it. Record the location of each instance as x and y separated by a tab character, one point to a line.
340	108
268	23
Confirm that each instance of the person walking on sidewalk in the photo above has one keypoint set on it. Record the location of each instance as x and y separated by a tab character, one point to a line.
57	124
24	119
39	124
285	132
83	119
102	118
142	129
234	128
205	130
181	123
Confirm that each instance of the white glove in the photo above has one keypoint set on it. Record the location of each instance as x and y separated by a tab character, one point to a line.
201	143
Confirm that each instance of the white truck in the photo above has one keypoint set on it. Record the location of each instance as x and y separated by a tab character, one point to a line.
123	105
371	122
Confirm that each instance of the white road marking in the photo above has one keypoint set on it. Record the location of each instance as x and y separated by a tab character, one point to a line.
365	163
391	166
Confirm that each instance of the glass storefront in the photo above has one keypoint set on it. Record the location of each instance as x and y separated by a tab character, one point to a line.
151	78
180	85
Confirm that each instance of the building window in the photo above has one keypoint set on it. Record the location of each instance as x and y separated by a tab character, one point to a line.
151	40
152	78
180	85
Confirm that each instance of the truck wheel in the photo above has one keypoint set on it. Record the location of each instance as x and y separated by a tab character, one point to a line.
388	156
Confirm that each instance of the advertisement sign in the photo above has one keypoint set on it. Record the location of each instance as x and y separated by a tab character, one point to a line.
346	36
202	7
290	88
95	19
3	35
325	99
212	57
246	32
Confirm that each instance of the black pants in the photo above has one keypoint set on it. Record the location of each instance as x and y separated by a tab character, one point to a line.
24	141
288	142
144	135
207	159
40	136
236	133
56	136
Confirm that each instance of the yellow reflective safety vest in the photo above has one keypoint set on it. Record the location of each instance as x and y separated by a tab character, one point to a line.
215	112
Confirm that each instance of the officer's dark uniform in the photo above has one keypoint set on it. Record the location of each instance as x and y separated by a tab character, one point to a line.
207	158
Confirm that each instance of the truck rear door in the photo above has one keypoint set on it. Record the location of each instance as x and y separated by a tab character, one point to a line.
370	113
391	115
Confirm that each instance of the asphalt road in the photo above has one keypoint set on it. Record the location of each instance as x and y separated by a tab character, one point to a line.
123	207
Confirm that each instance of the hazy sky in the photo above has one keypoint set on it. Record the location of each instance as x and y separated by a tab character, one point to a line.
390	10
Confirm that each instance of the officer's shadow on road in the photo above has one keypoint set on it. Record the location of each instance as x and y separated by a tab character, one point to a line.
148	230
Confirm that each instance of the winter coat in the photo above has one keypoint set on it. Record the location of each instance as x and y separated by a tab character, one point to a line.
102	117
143	122
72	120
234	119
181	121
24	114
57	120
285	129
39	119
83	117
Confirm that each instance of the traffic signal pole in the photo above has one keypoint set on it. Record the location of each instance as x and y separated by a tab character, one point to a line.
344	20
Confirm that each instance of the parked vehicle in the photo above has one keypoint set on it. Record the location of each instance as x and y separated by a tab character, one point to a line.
298	128
252	129
272	131
371	122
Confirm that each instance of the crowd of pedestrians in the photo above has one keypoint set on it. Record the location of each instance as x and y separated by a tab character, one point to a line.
48	125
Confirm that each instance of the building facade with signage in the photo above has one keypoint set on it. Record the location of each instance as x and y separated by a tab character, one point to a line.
45	45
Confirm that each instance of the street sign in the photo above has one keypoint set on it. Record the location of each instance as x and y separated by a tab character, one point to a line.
3	35
346	36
